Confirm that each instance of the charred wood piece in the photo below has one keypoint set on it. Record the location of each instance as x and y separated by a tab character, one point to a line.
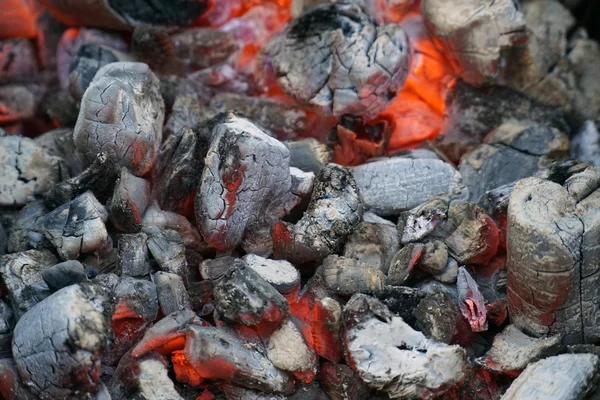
172	295
346	276
128	130
471	301
438	317
308	154
59	143
187	112
18	60
19	102
341	382
356	67
166	246
133	255
281	274
64	274
129	201
402	265
21	235
213	269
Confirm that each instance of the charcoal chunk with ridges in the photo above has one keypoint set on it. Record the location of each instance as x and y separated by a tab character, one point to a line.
167	248
172	295
346	276
133	255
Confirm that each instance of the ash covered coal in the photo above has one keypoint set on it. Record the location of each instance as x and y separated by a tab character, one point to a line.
277	199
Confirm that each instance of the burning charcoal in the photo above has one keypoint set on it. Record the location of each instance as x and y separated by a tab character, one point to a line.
346	276
325	326
357	68
59	143
495	204
511	152
401	300
88	61
334	210
471	113
564	377
168	250
450	272
129	202
219	354
416	224
282	275
98	177
401	360
471	301
122	15
11	386
392	185
243	296
288	351
374	241
21	232
475	35
434	258
19	102
341	382
585	144
232	392
154	216
172	295
133	255
21	273
245	184
76	227
214	269
103	259
312	391
403	263
128	131
58	342
187	112
201	297
308	154
17	60
26	170
438	317
259	242
285	121
581	185
145	379
512	351
64	274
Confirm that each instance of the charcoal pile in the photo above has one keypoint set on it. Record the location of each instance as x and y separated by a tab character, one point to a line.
299	199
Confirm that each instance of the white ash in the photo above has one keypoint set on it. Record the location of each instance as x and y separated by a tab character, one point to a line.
288	351
279	273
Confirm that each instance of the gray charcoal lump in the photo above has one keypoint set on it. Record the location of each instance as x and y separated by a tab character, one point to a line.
335	58
172	295
64	274
129	201
122	114
346	276
167	248
133	255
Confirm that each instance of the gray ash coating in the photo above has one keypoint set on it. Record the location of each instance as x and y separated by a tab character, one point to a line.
160	12
322	19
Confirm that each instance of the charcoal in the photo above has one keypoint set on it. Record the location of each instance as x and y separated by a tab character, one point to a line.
259	242
392	185
434	258
243	296
146	378
312	391
341	382
471	113
512	351
288	351
102	260
232	392
26	170
334	210
549	251
133	255
326	326
98	177
11	386
19	102
190	236
419	222
3	240
172	295
403	264
216	268
495	204
88	61
357	68
201	297
282	275
167	248
245	184
471	301
129	201
450	272
491	279
346	276
401	300
59	143
123	15
308	154
475	35
512	151
22	275
581	185
438	317
21	236
180	158
401	360
219	354
585	143
374	241
64	274
567	376
187	112
18	60
76	227
129	133
6	327
285	121
58	342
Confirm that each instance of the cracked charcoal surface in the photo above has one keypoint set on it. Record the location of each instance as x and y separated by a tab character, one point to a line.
392	185
59	143
334	211
76	227
26	170
335	58
167	248
21	231
401	361
172	295
133	255
245	183
129	201
58	353
89	59
122	115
